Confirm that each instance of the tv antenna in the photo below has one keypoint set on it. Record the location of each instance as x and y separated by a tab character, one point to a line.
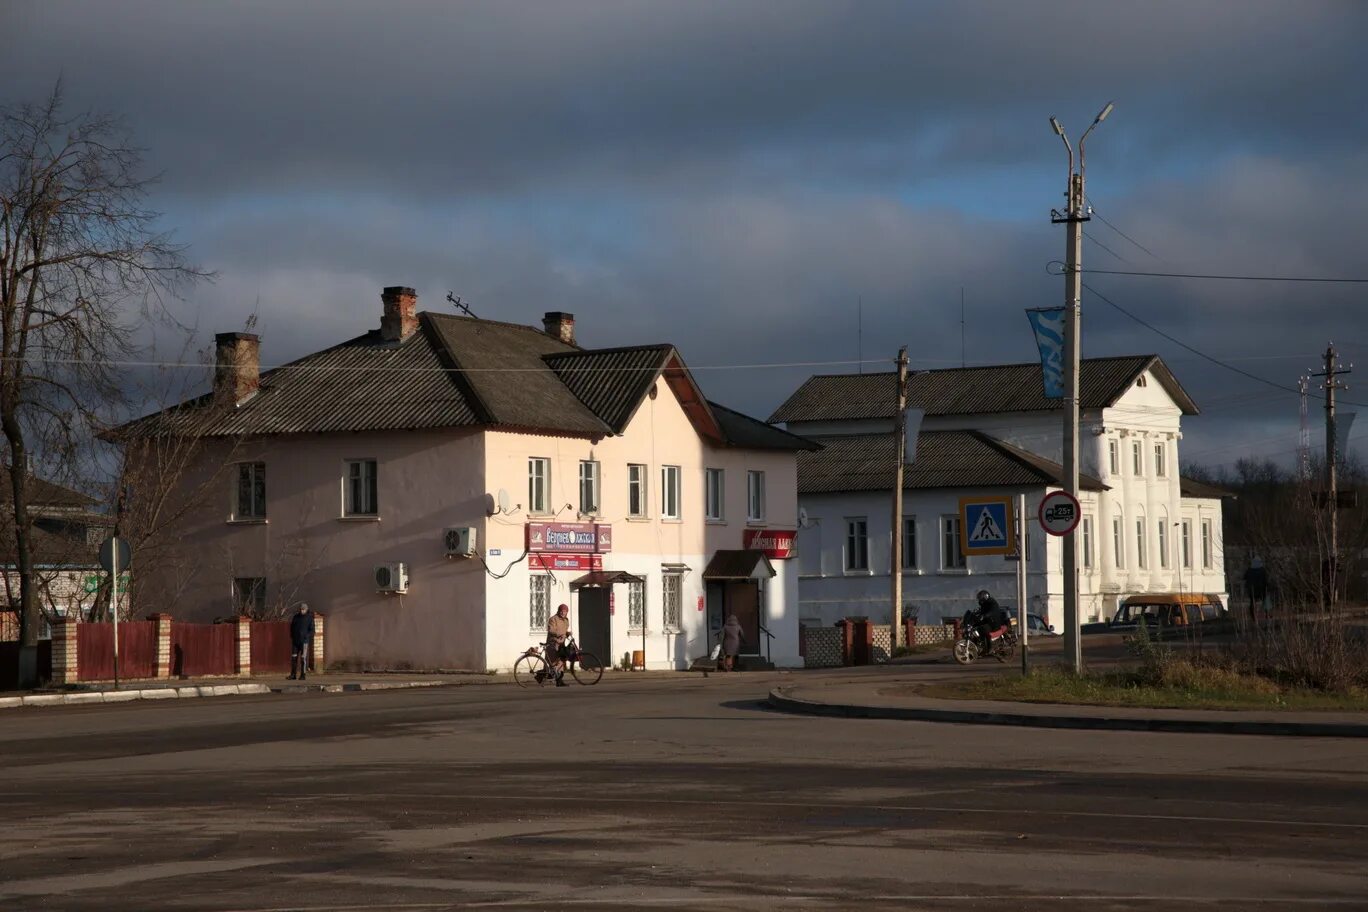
461	305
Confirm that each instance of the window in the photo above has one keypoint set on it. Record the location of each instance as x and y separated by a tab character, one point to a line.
1140	544
588	487
669	492
249	595
636	490
716	493
1186	544
1114	457
670	597
1087	543
909	555
755	501
361	488
1139	464
952	558
857	544
538	601
1206	544
1159	467
251	491
1163	543
636	605
538	485
1118	544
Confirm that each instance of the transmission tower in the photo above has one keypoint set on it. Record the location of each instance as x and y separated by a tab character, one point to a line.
1304	441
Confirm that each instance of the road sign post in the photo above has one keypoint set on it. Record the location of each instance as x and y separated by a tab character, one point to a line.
115	554
1021	585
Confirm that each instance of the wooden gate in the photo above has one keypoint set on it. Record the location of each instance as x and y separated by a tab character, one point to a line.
203	649
270	647
95	651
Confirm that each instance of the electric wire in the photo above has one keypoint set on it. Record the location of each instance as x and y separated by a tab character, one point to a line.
1104	221
1229	278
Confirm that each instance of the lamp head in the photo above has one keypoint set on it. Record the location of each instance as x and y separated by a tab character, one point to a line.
1105	111
1059	131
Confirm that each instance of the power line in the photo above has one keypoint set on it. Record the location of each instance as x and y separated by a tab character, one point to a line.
1104	221
1232	278
1105	247
1201	354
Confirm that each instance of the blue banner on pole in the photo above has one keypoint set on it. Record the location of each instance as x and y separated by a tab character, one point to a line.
1048	325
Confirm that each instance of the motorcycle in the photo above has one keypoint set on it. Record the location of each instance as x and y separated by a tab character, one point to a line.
1001	644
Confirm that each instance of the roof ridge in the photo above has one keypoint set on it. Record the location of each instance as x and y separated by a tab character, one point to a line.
458	318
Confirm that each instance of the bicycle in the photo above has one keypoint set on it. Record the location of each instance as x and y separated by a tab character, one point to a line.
531	669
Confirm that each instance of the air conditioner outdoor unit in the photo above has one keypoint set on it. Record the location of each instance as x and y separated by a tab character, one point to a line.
459	541
391	577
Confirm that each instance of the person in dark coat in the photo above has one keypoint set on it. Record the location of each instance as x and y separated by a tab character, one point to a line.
732	638
301	641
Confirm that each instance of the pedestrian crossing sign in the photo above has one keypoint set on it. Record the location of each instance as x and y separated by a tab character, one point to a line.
986	525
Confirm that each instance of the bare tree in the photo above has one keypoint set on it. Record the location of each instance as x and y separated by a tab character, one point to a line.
82	266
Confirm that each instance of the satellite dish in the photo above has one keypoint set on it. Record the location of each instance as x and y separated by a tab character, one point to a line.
802	517
504	503
490	509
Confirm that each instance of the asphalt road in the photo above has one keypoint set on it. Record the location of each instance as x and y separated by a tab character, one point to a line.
669	793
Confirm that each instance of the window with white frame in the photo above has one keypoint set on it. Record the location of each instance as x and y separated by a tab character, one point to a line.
670	601
857	544
669	492
538	601
361	498
1114	457
1206	544
715	494
1160	461
538	485
251	491
1163	543
1138	466
636	490
1118	543
755	499
636	605
1087	543
249	595
951	554
588	487
909	555
1140	543
1186	544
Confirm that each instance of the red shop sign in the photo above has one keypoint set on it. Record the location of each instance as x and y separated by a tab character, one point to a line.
543	561
570	538
778	544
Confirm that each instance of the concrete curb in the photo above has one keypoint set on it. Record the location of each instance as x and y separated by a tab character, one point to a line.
123	696
783	701
354	687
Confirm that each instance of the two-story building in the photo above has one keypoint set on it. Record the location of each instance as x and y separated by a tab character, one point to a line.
438	486
990	429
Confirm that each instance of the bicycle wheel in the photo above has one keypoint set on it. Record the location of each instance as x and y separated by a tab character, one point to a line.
531	671
586	669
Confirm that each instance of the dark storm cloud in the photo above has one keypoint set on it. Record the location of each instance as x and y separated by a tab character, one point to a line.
734	177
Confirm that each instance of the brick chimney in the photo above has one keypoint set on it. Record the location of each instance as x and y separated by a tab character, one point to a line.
401	313
237	366
560	326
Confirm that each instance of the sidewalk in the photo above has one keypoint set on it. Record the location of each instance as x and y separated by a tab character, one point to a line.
892	697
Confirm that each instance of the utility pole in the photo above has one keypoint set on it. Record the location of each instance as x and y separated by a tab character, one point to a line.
1073	218
1332	370
900	453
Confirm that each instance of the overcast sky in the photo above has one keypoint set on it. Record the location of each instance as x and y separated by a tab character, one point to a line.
741	178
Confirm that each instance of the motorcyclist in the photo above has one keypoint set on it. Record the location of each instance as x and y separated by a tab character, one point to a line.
989	616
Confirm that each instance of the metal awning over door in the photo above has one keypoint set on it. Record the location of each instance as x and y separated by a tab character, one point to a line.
739	565
596	579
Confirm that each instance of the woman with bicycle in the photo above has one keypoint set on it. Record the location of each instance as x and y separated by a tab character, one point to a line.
557	629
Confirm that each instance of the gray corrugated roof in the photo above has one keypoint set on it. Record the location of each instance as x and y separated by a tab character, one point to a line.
42	493
945	459
611	382
971	390
1191	487
751	433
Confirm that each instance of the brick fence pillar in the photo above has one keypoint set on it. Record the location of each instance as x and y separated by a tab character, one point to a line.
910	628
316	656
64	670
163	622
847	628
244	645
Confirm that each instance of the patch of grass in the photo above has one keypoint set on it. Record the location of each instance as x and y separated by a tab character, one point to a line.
1183	685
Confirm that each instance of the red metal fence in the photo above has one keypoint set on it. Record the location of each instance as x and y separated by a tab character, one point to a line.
95	650
270	647
203	649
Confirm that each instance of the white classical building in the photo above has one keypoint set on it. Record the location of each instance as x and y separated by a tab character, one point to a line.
991	430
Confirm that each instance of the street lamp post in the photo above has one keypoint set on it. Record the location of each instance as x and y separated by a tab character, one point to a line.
1073	218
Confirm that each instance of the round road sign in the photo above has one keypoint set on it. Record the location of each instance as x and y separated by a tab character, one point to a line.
1059	513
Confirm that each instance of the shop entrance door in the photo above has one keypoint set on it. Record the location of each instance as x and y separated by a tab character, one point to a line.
594	633
743	600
